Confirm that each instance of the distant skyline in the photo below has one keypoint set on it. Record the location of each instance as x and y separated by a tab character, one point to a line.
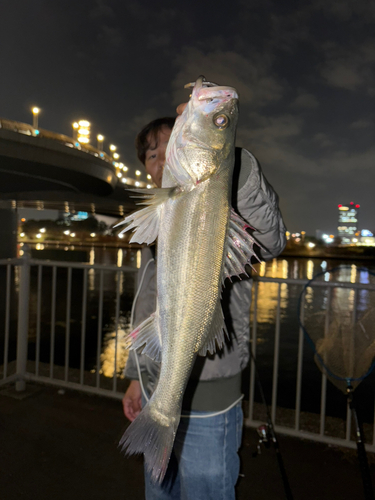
305	72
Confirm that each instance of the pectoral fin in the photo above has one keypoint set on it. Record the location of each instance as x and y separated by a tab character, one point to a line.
240	247
147	335
147	221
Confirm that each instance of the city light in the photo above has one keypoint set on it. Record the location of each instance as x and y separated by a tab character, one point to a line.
84	132
137	172
43	230
311	244
116	156
67	232
38	235
123	180
92	235
112	147
100	139
35	112
148	176
22	235
120	236
119	174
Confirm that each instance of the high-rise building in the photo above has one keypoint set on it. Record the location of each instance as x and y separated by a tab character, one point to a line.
348	222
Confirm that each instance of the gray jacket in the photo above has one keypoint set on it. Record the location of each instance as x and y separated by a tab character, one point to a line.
255	200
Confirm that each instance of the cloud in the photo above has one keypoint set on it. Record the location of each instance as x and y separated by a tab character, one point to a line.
322	140
251	76
349	67
101	10
158	41
361	124
305	100
138	122
110	37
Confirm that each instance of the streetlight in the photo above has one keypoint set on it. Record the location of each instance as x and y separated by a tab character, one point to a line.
35	111
84	131
100	139
112	147
75	130
116	156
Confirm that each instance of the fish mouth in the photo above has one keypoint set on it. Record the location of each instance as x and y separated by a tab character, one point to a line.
211	89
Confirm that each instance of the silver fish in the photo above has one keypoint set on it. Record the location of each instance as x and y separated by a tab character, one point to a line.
201	241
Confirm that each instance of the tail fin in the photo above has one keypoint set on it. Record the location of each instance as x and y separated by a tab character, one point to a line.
148	436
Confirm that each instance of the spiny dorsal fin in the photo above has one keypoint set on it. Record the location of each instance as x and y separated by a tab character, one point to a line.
240	247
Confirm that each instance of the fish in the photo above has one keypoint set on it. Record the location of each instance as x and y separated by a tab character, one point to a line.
201	241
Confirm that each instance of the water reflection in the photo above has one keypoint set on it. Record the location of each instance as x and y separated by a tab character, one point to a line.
114	351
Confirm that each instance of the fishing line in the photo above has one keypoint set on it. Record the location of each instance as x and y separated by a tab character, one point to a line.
144	393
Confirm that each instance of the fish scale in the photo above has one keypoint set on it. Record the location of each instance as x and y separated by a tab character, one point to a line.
200	242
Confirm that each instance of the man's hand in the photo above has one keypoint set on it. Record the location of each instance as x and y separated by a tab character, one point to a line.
132	402
180	108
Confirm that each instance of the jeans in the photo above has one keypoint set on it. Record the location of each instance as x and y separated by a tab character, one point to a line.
204	464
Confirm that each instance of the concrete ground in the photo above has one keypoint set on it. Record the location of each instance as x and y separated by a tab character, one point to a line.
63	445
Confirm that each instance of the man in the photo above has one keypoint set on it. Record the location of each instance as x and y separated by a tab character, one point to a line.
204	462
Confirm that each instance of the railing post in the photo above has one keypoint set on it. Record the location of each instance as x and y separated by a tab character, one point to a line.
23	319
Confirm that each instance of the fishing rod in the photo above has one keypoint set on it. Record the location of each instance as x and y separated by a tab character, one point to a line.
361	450
267	434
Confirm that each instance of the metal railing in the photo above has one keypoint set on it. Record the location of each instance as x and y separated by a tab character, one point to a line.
57	304
70	294
317	429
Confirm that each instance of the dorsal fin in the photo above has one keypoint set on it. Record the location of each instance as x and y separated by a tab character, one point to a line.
240	247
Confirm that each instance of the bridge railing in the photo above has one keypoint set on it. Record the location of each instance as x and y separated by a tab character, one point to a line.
66	323
26	129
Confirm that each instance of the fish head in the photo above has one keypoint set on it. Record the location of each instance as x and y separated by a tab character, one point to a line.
203	137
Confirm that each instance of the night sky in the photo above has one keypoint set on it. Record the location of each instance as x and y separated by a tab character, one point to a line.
305	72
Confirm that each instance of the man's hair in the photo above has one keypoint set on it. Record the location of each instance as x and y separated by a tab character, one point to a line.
149	133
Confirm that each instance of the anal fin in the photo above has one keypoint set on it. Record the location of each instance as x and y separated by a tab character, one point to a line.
215	337
147	335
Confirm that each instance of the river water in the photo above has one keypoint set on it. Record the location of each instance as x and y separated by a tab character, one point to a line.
266	316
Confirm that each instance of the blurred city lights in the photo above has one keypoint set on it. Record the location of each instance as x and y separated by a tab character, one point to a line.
35	112
38	235
112	147
84	132
100	139
137	172
42	230
116	156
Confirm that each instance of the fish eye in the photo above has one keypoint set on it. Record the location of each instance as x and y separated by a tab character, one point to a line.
221	121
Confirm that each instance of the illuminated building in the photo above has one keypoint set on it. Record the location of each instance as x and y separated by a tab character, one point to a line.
348	220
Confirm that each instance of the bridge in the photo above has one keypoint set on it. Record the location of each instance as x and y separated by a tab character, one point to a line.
46	170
